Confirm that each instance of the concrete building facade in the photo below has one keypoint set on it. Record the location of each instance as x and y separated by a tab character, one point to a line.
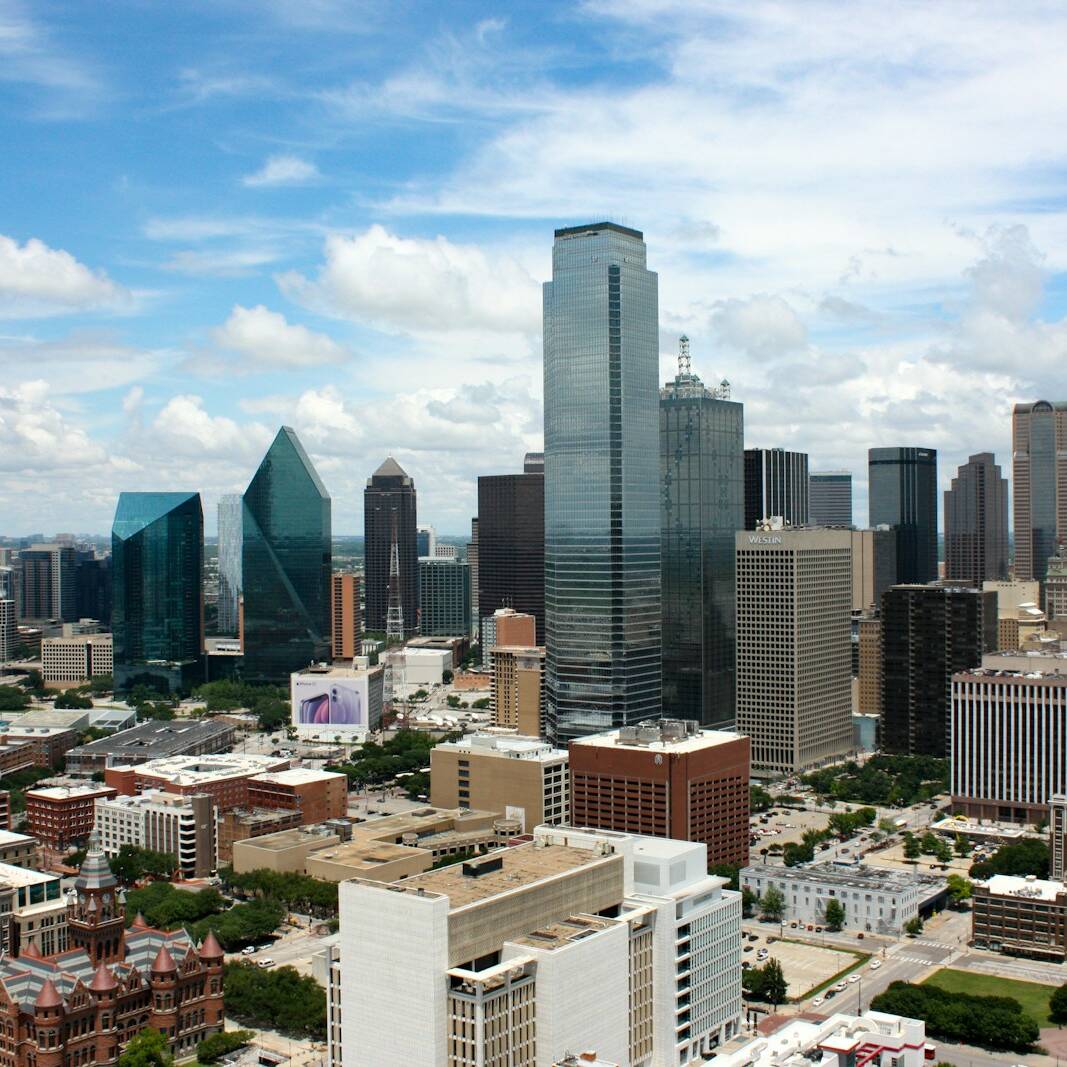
346	616
516	689
76	659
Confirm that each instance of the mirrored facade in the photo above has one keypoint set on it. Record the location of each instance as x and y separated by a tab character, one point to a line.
903	494
390	506
286	562
1039	485
157	614
602	510
231	547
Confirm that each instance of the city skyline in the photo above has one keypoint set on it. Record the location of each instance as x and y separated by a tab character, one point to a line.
215	275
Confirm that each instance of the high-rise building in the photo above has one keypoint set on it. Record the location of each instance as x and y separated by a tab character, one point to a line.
444	596
976	523
794	646
929	632
602	514
1056	588
231	549
48	584
776	486
869	665
666	779
1039	484
472	560
874	567
511	545
346	616
533	463
516	688
8	629
830	498
92	585
388	504
426	541
157	615
701	447
285	564
903	493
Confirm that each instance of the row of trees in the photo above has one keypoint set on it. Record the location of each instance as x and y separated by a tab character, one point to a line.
166	907
405	752
269	703
883	780
1020	858
277	998
297	892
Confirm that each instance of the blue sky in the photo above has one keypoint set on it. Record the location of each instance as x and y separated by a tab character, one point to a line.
218	217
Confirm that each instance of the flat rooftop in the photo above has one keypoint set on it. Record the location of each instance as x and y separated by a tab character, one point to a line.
692	742
297	776
70	792
857	877
9	837
1007	885
189	770
157	739
20	876
564	932
506	746
335	672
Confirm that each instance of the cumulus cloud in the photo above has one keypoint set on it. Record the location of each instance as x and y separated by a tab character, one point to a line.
37	280
282	170
183	428
764	326
418	284
35	436
264	338
83	361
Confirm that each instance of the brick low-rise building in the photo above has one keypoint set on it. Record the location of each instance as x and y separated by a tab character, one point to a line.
1020	917
224	777
243	824
63	815
317	795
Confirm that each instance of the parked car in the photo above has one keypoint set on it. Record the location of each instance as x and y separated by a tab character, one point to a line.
248	950
853	979
748	948
266	961
875	964
830	994
817	1001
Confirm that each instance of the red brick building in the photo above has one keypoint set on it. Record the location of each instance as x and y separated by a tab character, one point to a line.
63	815
83	1005
317	795
666	779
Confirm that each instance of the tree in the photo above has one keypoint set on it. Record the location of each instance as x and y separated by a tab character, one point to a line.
217	1045
1057	1005
278	998
73	699
13	698
911	847
963	846
944	852
759	799
133	863
772	904
835	914
914	926
887	826
928	843
749	900
775	986
959	889
149	1048
1019	858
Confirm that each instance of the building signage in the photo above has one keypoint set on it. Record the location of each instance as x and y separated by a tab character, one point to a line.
764	539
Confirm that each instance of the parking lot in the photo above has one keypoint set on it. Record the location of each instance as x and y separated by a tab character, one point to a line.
804	966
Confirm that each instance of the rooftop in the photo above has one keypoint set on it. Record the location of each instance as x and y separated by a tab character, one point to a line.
298	776
592	227
8	838
70	792
189	770
1007	885
157	738
321	670
855	877
12	876
663	735
564	932
506	746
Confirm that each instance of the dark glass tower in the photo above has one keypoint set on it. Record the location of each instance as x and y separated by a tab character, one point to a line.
701	448
390	494
511	545
903	493
776	484
1039	485
830	498
444	597
285	564
976	523
602	510
157	610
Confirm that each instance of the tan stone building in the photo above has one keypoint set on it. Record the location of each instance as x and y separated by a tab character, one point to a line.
517	692
347	621
869	677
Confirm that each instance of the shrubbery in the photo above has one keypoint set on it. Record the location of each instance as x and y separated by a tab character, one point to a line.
276	998
212	1048
1020	858
883	780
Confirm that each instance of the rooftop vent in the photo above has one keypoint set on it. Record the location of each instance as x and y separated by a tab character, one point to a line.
477	867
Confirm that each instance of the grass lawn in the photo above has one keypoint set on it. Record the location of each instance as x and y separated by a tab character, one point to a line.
1032	996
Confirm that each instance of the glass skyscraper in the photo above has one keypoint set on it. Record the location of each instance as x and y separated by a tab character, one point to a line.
390	507
1039	485
602	509
285	565
701	459
976	523
776	485
230	550
444	596
830	498
157	610
903	493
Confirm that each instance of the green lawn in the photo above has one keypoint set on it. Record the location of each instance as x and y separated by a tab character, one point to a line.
1031	995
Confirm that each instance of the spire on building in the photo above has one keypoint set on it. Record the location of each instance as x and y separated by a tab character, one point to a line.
394	617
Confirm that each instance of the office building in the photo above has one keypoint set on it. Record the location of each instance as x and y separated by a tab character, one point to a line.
1008	742
317	795
902	487
776	486
1024	916
110	984
285	564
1012	597
874	567
346	616
830	498
47	583
244	824
701	443
180	826
976	523
444	596
63	815
472	562
794	655
1056	588
15	849
869	665
602	483
389	515
76	659
511	545
34	907
577	939
157	620
1039	484
152	740
929	632
231	549
8	629
516	688
1057	836
426	541
92	587
520	777
666	779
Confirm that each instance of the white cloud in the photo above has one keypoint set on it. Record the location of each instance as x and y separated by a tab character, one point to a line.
37	280
220	262
764	326
36	437
183	428
264	338
282	170
417	284
83	361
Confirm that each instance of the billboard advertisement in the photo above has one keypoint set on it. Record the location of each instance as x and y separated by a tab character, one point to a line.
327	701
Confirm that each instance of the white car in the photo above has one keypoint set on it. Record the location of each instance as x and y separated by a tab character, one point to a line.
839	987
248	950
265	962
853	979
817	1001
875	964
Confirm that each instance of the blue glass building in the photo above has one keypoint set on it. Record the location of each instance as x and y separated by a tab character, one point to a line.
602	508
157	612
231	547
285	564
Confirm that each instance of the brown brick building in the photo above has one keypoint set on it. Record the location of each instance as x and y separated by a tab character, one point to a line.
242	824
317	795
666	779
1020	917
62	815
347	620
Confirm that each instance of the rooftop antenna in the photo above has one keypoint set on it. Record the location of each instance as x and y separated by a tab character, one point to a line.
394	616
685	366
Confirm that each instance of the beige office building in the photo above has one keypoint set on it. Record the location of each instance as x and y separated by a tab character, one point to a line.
516	691
869	678
77	658
522	777
874	567
794	650
347	620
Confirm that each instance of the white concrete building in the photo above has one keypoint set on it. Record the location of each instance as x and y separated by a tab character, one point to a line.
580	939
76	658
416	666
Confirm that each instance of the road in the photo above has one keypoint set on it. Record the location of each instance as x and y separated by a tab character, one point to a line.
294	948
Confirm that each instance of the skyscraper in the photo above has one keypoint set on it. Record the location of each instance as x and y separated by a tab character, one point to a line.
231	547
472	559
388	501
511	545
776	485
426	541
701	447
1039	484
830	498
444	596
48	584
157	611
976	523
903	493
285	564
602	516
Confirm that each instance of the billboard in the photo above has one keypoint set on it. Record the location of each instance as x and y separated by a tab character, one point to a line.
330	701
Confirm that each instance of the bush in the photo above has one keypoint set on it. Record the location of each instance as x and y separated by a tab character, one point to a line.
277	999
1019	858
212	1048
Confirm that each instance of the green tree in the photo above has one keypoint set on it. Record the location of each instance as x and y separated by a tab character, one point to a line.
928	843
278	998
101	683
749	900
963	846
912	848
759	799
775	987
959	889
914	926
887	827
1019	858
149	1048
217	1045
73	699
133	863
772	904
835	914
13	698
944	852
1057	1005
